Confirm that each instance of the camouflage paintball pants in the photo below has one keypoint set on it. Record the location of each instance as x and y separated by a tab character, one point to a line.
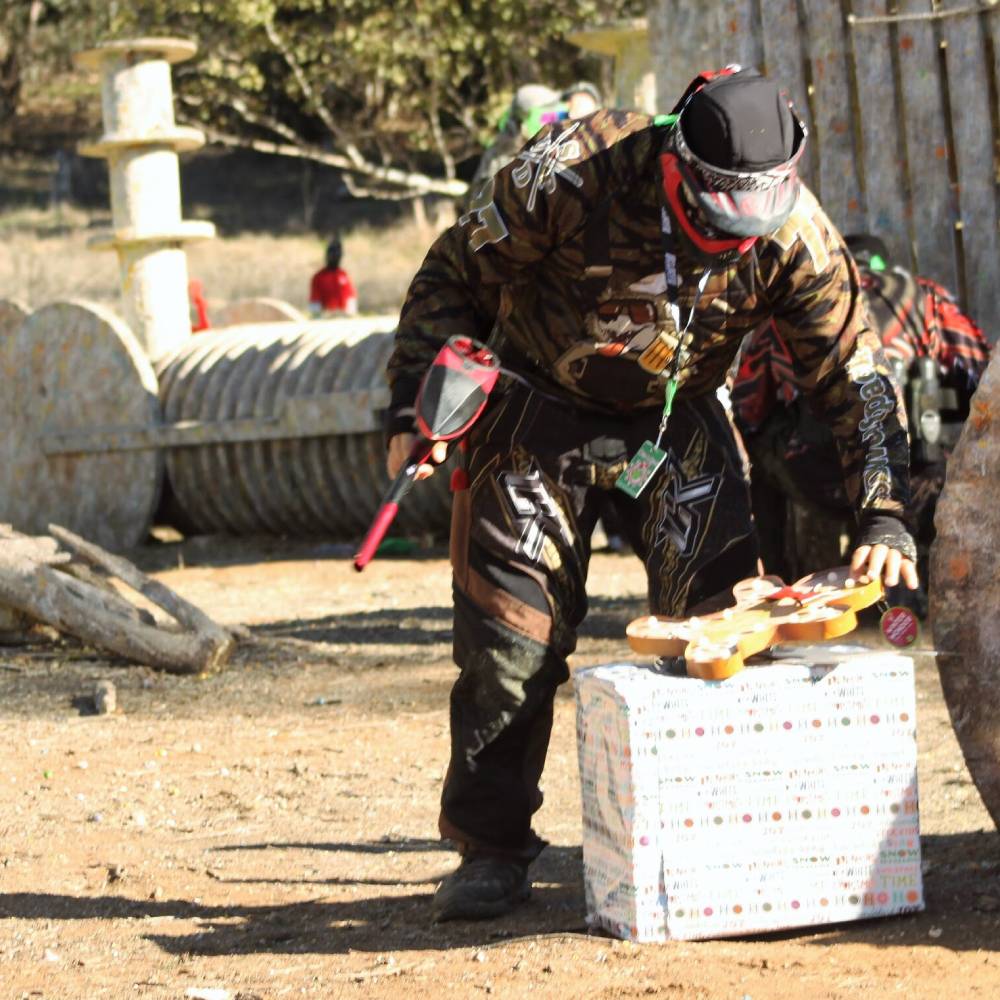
520	546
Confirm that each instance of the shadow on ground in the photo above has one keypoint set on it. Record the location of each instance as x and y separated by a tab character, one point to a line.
227	550
428	625
373	923
962	869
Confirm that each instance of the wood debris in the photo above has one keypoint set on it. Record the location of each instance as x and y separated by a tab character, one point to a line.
64	581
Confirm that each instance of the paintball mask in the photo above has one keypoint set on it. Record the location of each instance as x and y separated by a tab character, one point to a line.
730	170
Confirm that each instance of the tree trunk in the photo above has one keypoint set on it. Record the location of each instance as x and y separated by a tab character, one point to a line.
10	91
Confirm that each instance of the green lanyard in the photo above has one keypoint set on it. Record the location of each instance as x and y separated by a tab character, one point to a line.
645	463
670	389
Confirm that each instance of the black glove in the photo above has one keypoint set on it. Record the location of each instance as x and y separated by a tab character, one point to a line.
401	421
879	528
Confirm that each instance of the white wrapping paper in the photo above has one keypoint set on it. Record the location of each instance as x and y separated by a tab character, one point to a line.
783	797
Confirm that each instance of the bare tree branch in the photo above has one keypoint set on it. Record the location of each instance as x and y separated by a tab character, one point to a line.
413	183
357	190
315	102
434	120
264	121
249	116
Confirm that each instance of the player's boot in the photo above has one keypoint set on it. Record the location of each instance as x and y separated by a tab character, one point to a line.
480	888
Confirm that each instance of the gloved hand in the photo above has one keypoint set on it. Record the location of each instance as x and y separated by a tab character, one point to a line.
885	549
399	450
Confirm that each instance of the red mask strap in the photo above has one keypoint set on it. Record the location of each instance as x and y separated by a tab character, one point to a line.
672	181
700	80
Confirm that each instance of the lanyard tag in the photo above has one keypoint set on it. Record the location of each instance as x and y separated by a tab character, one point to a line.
899	627
640	471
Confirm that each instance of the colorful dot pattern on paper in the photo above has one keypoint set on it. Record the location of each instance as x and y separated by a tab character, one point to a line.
783	797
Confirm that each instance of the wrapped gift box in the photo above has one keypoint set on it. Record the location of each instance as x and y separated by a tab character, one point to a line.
785	796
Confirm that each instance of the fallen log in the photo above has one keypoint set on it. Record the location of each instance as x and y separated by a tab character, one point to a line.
14	624
34	581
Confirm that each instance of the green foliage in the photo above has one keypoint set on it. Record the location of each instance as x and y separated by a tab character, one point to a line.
415	85
37	39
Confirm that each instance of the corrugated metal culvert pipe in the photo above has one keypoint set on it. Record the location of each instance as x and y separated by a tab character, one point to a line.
293	442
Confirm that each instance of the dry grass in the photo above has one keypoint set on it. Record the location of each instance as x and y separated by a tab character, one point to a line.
44	258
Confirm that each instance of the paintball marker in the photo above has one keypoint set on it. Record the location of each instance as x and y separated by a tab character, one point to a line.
452	395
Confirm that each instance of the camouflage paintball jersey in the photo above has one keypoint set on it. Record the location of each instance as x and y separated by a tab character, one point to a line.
559	265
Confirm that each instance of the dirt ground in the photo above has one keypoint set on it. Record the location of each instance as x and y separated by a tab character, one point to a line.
271	831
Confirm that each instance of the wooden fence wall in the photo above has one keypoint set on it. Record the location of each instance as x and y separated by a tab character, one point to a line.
900	97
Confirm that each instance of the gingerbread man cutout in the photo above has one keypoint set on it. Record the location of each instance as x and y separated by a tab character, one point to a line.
818	607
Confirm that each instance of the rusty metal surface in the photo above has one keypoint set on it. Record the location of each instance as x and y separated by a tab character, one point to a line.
260	310
12	315
305	416
71	365
323	485
965	589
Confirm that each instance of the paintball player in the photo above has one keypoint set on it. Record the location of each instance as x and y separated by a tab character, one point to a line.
331	291
939	354
581	98
617	260
533	106
530	104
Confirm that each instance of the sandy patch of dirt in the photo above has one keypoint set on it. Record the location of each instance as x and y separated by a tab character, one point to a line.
271	831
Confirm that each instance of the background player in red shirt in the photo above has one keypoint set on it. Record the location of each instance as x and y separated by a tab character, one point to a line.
331	289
